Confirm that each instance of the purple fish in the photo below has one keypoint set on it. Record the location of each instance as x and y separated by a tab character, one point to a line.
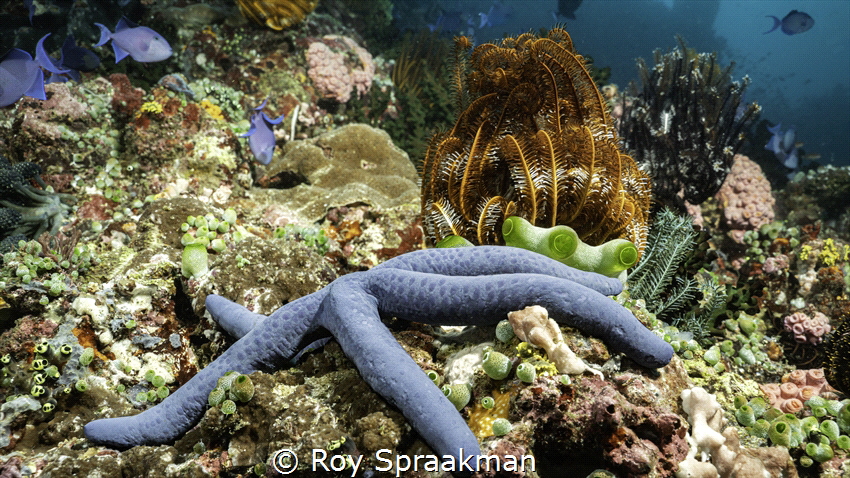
141	43
73	60
20	75
784	146
793	23
451	22
261	136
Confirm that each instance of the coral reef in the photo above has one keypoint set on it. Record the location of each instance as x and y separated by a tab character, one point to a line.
338	66
533	139
683	126
727	457
745	197
352	164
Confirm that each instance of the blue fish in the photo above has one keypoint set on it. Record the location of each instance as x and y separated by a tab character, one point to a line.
20	75
261	135
793	23
497	15
451	22
141	43
784	146
74	59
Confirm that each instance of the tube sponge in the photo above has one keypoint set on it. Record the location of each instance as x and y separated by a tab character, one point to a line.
563	244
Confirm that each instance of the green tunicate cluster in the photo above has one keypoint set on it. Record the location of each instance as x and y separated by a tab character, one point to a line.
526	372
819	435
231	388
435	377
759	242
311	236
54	272
202	235
55	371
563	244
744	347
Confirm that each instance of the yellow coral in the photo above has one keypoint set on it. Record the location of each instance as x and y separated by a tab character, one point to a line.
481	419
150	107
829	254
212	109
804	252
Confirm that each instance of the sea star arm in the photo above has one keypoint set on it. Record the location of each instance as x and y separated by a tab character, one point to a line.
351	314
491	260
485	300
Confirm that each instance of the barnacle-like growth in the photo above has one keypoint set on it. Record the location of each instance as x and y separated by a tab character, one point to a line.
533	139
276	14
686	124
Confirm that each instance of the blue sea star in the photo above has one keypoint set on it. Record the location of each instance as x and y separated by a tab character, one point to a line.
463	286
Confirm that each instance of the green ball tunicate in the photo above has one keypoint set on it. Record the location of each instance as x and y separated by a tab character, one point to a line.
458	394
87	357
227	379
162	392
505	331
488	402
195	260
48	407
149	375
745	416
780	433
157	381
152	396
496	365
37	391
526	372
759	406
760	428
501	427
242	389
829	428
843	442
434	377
217	395
712	355
228	407
40	364
819	452
808	424
218	245
81	385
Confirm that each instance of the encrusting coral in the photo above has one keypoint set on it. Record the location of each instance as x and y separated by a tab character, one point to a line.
534	139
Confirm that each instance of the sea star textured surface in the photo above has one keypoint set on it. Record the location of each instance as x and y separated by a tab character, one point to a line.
462	286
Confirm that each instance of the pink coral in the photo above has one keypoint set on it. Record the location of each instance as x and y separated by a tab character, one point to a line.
745	196
339	65
796	388
807	329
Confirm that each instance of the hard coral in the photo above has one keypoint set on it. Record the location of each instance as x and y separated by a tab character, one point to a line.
533	139
746	196
807	329
339	65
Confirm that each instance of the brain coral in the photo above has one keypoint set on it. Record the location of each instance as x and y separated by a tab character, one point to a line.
533	138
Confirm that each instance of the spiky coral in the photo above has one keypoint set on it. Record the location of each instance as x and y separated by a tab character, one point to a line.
534	139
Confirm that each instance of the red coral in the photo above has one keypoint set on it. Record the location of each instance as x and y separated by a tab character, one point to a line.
126	98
